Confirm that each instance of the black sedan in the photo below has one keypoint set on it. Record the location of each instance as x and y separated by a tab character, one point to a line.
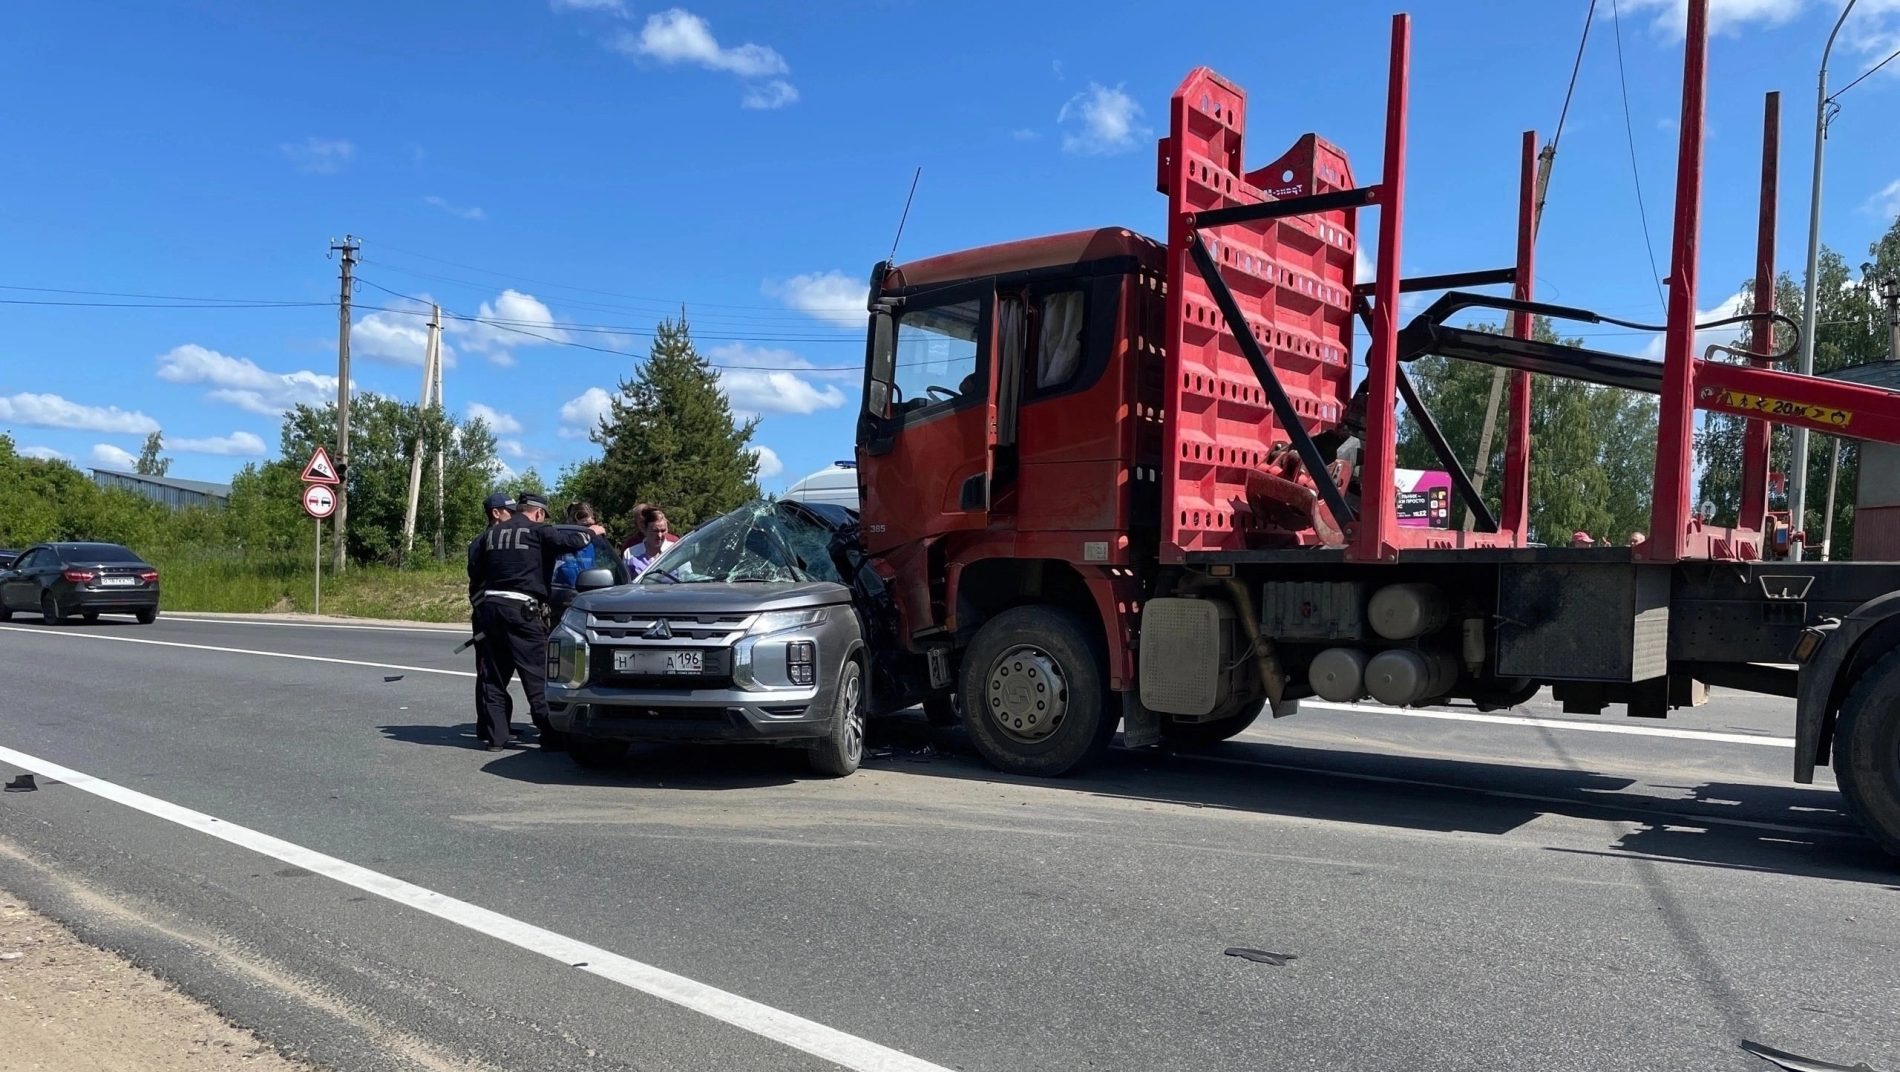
60	580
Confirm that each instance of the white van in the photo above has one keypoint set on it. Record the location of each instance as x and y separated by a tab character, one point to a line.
836	484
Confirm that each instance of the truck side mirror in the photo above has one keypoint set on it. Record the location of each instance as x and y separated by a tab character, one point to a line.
592	579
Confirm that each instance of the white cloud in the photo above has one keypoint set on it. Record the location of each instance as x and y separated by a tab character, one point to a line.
107	456
502	424
830	296
52	411
237	444
1672	16
769	463
45	454
679	36
767	96
581	414
522	320
615	7
466	212
1103	121
512	448
399	334
319	156
768	384
1887	201
239	382
1734	305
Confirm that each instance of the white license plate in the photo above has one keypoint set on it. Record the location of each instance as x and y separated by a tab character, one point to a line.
118	582
660	662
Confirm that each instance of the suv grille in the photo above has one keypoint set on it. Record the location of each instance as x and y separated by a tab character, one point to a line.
686	630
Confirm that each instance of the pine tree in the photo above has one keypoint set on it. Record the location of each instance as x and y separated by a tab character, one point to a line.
670	437
150	462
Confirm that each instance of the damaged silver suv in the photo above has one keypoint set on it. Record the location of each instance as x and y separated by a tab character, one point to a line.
744	631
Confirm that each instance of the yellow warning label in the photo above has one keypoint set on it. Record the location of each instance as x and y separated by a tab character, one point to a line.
1775	407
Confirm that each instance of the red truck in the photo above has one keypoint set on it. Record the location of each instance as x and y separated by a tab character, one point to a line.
1114	482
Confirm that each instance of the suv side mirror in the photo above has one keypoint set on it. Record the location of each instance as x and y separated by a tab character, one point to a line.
592	579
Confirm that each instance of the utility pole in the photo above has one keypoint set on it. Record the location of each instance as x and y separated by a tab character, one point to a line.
1545	160
435	343
425	408
1890	296
347	248
1798	477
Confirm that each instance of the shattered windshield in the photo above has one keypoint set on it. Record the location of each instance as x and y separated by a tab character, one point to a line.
765	541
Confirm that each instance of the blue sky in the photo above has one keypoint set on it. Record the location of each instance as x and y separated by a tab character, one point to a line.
579	168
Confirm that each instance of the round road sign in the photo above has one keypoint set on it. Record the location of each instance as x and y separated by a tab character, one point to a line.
319	501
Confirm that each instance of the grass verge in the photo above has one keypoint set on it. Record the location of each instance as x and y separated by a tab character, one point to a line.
236	583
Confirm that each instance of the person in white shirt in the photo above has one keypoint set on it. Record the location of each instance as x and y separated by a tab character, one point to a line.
654	539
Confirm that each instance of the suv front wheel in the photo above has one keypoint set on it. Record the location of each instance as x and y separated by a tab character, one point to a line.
839	752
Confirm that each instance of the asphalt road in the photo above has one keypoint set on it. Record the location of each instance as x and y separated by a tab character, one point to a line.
1455	894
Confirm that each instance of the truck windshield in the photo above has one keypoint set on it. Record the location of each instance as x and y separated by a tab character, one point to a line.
763	542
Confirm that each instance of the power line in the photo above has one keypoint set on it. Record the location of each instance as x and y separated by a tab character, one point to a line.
1575	66
1863	77
160	297
570	286
165	305
1629	132
512	326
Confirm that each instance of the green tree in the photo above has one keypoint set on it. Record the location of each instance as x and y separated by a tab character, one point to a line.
51	500
670	437
151	462
382	433
1850	329
1592	448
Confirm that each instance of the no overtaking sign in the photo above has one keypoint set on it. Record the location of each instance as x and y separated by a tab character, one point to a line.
319	501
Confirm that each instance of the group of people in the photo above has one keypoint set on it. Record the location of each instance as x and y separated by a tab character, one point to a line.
511	567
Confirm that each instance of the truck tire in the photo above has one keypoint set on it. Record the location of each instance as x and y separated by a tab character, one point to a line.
595	753
1035	693
1866	757
839	752
1197	734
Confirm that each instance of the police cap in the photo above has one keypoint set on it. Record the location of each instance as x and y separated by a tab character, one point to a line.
498	501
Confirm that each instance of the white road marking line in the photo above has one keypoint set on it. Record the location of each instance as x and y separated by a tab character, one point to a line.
72	635
828	1043
177	617
1553	723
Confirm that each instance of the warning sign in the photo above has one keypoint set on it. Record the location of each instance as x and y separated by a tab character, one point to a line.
1775	407
319	470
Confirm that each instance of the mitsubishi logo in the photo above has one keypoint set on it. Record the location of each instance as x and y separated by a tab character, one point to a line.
659	631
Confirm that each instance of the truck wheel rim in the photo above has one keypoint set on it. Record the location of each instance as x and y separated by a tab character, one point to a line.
1026	695
853	715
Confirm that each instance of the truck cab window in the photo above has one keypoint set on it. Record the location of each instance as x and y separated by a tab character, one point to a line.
1059	348
937	352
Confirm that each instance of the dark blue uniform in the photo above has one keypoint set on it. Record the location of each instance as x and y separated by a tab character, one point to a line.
508	569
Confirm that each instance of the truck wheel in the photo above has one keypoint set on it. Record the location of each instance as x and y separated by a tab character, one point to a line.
942	709
839	752
1867	751
1035	694
1196	734
593	753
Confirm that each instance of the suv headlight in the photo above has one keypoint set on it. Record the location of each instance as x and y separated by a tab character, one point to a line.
769	656
774	621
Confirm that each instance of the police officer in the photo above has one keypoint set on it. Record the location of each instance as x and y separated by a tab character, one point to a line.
508	568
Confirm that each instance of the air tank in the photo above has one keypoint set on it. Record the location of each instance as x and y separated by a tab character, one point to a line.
1405	611
1338	674
1403	676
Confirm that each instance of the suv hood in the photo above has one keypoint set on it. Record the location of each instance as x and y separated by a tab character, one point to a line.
714	597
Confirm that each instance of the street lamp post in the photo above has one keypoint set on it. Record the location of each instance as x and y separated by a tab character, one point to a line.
1798	479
